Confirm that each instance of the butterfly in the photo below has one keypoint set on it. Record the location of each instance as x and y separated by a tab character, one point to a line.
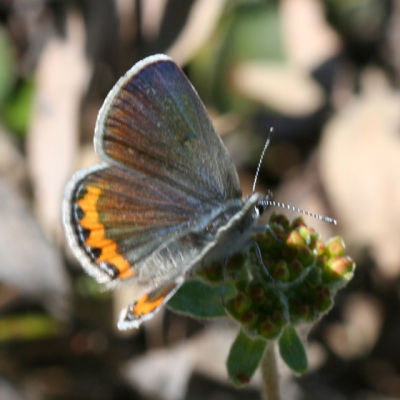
166	198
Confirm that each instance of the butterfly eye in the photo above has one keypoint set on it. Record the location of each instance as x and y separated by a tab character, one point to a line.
259	209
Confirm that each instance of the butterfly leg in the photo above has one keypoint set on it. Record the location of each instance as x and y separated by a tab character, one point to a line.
260	260
146	306
223	281
263	228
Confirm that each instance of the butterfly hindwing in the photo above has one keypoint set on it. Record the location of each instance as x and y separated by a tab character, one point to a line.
147	305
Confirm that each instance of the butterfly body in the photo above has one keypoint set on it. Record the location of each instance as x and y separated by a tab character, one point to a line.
167	197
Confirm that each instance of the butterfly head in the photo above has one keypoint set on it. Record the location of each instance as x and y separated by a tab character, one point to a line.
262	204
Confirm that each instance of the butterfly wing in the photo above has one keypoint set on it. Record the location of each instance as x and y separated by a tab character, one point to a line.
154	123
141	216
121	227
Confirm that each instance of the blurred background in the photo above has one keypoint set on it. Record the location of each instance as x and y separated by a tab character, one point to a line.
325	74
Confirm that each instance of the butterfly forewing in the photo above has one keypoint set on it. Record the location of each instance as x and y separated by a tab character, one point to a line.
154	123
119	220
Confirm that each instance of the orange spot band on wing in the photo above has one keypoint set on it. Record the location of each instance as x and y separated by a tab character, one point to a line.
150	301
145	305
97	239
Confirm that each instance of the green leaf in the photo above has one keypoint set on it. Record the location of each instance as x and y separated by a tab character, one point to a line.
244	357
7	66
197	299
17	111
248	31
292	350
253	34
28	327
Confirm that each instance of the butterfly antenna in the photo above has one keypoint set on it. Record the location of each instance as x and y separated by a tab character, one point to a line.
324	218
271	131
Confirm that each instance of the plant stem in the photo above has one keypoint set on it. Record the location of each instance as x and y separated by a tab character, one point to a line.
270	376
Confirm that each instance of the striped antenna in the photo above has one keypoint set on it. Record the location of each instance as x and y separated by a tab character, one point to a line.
271	131
269	202
298	210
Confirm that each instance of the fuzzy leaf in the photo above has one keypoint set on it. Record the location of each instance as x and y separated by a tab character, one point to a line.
292	350
197	299
244	358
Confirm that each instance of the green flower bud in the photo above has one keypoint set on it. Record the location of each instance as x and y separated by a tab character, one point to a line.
294	239
281	271
289	253
278	317
339	268
300	312
336	247
268	328
249	318
296	267
306	233
242	303
271	301
256	293
305	255
297	223
320	247
322	298
279	219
